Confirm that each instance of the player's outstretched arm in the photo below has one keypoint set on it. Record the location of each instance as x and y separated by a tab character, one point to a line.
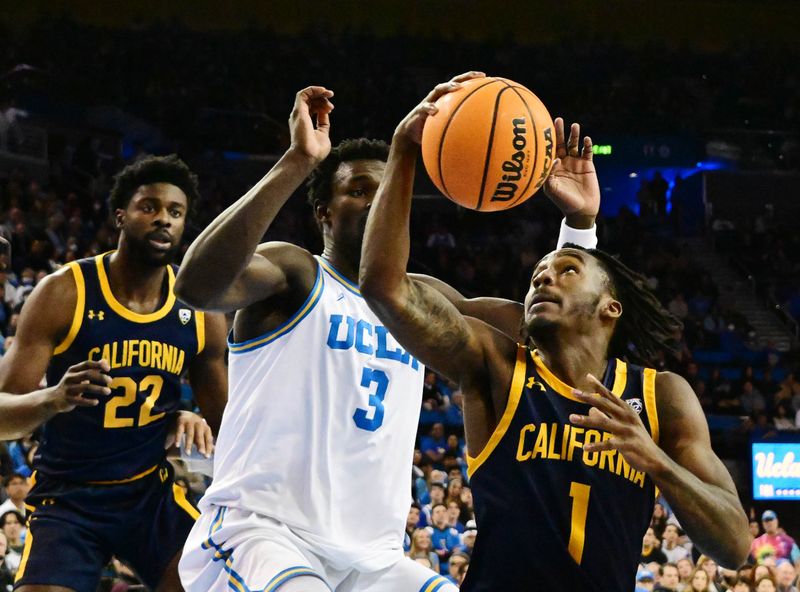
225	269
683	465
418	316
44	323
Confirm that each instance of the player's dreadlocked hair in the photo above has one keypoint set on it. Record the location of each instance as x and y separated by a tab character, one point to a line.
645	326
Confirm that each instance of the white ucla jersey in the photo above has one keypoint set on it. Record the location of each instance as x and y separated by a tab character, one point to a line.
319	428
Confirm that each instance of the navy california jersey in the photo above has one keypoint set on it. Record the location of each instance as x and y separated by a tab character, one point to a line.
550	516
122	437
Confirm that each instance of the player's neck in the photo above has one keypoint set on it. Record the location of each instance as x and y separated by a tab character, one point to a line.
132	280
345	263
573	358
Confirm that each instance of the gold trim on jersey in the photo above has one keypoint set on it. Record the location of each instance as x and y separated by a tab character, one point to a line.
200	325
180	499
126	313
136	477
514	395
77	317
563	389
26	553
649	390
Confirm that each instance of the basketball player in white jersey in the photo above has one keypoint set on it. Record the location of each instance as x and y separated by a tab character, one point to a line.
313	458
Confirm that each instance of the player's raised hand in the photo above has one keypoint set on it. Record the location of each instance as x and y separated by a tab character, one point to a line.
411	126
611	414
196	432
87	378
309	140
572	184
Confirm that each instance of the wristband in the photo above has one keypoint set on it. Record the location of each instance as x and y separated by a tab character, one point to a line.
583	237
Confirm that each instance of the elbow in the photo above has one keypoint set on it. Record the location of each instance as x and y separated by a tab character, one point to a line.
736	552
186	292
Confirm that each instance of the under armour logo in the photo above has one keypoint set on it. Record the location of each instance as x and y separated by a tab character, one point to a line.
532	383
100	315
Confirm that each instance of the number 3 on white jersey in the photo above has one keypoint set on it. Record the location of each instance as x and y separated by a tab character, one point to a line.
369	377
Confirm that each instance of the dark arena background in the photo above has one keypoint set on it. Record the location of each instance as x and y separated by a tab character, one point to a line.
693	107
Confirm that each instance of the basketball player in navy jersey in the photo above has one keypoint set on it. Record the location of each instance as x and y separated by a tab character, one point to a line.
564	465
114	342
323	403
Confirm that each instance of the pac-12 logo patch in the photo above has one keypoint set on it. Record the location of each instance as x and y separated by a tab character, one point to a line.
185	315
636	404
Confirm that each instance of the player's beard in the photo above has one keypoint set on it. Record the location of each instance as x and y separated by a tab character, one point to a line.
143	251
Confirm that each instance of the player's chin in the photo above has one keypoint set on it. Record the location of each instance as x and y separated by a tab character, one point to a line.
157	256
541	322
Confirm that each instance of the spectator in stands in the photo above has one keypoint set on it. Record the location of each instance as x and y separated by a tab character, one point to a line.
6	577
444	539
412	523
782	419
765	569
712	569
437	496
12	522
742	585
786	576
21	450
699	581
454	416
645	581
453	515
670	547
685	569
766	584
668	578
454	566
468	538
421	548
751	399
434	445
659	520
650	550
17	489
773	542
678	307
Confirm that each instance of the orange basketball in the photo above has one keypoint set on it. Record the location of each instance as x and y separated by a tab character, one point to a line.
490	146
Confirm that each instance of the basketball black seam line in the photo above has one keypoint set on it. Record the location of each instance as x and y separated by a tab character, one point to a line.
489	147
447	126
535	142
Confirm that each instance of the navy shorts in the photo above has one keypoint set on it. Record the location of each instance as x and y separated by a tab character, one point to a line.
74	529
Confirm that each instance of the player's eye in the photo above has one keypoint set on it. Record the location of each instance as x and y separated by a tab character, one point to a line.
175	213
358	193
569	268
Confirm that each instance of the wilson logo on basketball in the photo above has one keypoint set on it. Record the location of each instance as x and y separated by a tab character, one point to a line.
508	187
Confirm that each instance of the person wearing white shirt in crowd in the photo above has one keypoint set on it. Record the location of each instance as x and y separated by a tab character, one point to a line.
17	489
670	546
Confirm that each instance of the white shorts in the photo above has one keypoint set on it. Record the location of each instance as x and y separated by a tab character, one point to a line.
229	549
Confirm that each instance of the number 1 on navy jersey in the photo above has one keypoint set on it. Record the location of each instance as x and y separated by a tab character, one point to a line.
369	377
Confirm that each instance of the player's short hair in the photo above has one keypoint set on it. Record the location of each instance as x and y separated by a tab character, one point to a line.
153	169
320	182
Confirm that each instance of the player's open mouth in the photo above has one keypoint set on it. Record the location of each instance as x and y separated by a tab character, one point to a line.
160	244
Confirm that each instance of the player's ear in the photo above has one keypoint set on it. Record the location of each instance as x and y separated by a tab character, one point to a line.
322	211
611	308
119	218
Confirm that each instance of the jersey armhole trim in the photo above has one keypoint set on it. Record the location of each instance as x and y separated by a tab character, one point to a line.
514	395
77	316
283	329
200	325
649	388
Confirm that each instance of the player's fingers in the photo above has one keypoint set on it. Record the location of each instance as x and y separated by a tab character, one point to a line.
603	391
588	151
80	401
190	430
441	90
209	440
574	139
561	143
179	432
602	446
95	376
468	76
596	400
595	419
324	122
101	365
88	387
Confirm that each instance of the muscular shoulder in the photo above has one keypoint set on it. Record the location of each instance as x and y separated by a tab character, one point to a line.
679	413
297	263
47	313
